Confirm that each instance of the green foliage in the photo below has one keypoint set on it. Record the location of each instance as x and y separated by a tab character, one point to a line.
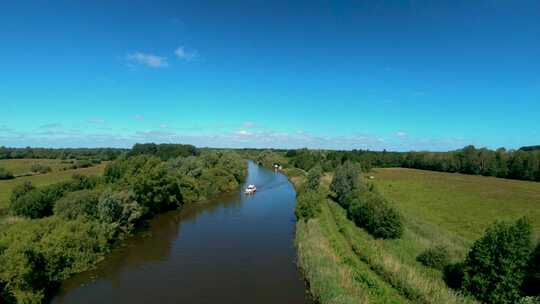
36	203
39	253
371	211
33	204
436	257
189	187
120	209
155	189
5	174
345	180
20	190
76	204
494	269
308	204
217	180
40	168
65	153
314	178
532	279
164	151
453	275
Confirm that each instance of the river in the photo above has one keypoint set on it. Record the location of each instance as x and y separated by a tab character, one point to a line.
231	249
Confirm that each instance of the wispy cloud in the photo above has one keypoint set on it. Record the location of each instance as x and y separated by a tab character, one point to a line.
183	54
401	134
138	117
149	60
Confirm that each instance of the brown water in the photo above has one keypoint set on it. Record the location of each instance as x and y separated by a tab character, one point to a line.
233	249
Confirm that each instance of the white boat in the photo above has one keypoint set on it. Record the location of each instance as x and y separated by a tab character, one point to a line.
250	189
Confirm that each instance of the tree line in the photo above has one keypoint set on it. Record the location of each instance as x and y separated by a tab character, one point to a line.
101	154
523	164
67	227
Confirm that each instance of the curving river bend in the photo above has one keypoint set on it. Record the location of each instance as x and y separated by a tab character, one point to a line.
232	249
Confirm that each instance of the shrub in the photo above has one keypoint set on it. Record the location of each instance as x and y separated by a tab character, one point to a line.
217	180
33	204
495	266
20	190
76	204
82	163
345	180
5	174
436	257
189	187
40	168
308	205
42	252
120	209
372	212
532	280
156	189
453	275
314	178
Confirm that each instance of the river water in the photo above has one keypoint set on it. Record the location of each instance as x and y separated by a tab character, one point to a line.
232	249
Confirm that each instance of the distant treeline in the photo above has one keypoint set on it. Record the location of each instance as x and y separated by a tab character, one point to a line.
64	153
516	164
164	151
530	148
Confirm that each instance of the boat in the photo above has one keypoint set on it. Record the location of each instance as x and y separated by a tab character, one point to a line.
250	189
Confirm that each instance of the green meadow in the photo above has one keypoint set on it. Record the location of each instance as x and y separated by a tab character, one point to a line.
19	166
464	205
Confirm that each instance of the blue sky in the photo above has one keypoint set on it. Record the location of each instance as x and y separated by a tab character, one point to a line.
396	75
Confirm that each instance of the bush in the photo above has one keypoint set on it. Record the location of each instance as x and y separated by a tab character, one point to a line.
40	168
436	257
314	178
156	189
453	275
33	204
308	205
20	190
345	180
495	267
372	212
43	252
83	163
76	204
189	187
217	180
5	174
120	209
532	280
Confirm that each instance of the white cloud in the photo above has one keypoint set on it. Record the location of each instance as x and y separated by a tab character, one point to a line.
401	134
183	54
138	117
243	133
149	60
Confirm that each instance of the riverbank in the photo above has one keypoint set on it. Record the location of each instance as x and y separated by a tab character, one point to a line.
67	228
344	264
234	248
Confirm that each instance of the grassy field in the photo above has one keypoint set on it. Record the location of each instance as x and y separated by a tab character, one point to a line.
462	205
42	179
345	264
22	166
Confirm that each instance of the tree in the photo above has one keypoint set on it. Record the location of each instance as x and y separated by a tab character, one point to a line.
314	178
532	280
345	180
495	266
76	204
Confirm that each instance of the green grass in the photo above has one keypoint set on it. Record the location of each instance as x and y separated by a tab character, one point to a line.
43	179
22	166
457	205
